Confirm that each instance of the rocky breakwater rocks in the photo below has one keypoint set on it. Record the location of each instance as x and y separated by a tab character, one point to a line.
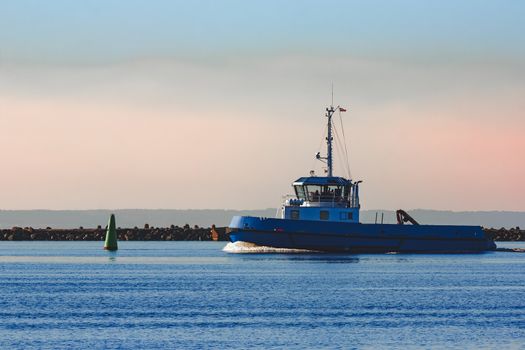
503	234
173	233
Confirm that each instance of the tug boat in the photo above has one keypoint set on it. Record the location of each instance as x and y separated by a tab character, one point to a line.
324	216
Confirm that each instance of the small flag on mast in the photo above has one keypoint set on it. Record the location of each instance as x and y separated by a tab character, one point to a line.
341	109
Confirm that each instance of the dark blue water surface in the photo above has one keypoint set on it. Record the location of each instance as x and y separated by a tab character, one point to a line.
182	295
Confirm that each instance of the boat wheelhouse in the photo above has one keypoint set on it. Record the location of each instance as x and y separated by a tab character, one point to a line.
323	198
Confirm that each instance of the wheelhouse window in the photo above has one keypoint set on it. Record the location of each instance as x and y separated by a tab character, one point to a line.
326	193
300	192
346	193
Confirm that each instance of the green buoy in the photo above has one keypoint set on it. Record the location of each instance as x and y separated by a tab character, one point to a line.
111	235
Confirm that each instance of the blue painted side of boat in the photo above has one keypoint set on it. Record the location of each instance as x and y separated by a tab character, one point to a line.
358	237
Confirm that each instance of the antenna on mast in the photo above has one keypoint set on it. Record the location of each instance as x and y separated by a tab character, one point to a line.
332	94
329	138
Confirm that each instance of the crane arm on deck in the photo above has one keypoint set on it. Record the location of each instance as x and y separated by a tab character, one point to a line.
402	217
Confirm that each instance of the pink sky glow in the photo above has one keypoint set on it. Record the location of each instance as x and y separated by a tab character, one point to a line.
169	135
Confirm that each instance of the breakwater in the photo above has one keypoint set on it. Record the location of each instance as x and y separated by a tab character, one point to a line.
173	233
503	234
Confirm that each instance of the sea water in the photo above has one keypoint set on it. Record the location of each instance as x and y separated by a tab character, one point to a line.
194	295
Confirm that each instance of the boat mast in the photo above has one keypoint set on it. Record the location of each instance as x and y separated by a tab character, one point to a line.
329	112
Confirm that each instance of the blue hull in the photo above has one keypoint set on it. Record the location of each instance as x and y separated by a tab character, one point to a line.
357	237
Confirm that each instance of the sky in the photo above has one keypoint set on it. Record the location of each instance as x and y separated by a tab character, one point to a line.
220	104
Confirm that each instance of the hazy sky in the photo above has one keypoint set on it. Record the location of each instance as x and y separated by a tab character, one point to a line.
219	104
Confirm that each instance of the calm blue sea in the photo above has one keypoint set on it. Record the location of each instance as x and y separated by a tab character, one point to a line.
193	295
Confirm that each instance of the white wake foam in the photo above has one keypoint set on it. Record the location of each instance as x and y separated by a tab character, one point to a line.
240	247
